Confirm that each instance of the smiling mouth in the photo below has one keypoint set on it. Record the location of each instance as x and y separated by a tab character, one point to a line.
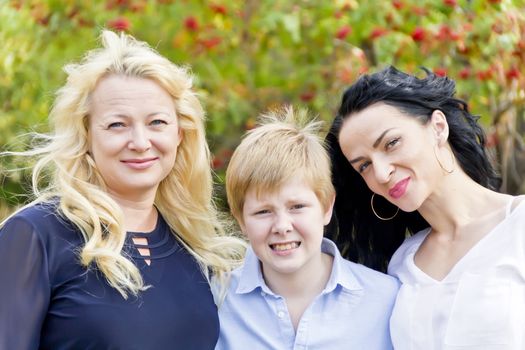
285	246
140	164
139	161
399	189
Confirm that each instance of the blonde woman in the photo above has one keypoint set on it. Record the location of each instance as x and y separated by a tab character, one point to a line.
117	251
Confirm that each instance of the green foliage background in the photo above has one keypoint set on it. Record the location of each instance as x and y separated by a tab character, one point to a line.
251	55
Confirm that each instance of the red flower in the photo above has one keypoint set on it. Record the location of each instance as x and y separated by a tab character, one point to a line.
440	71
418	34
191	24
484	74
454	36
218	9
419	10
43	20
378	32
120	23
398	4
343	32
512	73
451	3
114	3
217	163
211	42
444	33
464	73
307	96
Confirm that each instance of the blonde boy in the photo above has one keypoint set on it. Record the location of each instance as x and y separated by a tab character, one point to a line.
294	290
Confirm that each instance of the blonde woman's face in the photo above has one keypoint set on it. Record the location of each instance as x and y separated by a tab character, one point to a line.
133	135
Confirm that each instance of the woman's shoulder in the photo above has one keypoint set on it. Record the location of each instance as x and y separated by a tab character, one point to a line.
409	246
414	240
374	279
42	219
36	213
518	203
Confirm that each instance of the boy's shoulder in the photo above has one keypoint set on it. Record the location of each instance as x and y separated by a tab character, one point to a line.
237	283
371	279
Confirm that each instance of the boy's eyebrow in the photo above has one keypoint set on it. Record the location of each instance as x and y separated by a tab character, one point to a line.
376	143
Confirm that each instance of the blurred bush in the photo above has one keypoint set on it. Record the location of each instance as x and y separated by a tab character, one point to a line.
251	55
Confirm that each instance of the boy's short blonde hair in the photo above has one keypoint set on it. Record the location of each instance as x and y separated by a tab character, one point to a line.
285	144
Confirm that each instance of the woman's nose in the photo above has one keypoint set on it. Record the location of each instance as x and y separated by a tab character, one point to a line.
383	170
140	139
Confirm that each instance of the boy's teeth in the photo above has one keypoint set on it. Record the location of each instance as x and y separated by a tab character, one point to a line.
285	246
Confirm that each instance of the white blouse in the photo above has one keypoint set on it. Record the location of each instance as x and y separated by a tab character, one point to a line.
479	305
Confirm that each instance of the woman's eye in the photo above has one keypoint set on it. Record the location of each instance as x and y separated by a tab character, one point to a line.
116	125
392	143
362	167
158	122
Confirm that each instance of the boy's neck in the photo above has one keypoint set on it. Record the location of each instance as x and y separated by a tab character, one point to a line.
300	288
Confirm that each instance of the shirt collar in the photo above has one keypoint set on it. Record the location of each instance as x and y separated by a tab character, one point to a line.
251	276
340	275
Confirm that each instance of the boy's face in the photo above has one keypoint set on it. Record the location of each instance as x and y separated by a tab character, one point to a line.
285	228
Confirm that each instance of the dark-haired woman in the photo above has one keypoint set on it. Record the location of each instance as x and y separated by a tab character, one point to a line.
408	157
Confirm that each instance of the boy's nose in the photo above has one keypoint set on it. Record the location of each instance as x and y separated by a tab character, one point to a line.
282	224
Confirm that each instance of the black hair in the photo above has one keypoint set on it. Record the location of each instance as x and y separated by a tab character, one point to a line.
359	234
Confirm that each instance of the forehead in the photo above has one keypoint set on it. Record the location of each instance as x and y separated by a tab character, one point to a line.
115	90
296	186
371	122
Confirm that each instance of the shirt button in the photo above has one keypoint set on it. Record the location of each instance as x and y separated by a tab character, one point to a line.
280	314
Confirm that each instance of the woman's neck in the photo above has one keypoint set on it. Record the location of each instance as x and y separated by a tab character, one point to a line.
459	202
140	215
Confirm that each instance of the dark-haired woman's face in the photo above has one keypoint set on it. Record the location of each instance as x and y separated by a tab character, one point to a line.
394	153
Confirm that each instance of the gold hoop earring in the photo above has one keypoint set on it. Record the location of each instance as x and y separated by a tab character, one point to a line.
375	213
441	164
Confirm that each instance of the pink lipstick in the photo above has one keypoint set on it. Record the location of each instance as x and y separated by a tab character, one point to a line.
399	189
139	164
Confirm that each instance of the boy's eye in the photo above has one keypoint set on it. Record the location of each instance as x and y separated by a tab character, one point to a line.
392	143
298	206
261	212
115	125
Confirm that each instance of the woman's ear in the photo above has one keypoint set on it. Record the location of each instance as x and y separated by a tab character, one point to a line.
439	124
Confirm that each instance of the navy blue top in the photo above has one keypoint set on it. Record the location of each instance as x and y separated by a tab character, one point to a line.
49	301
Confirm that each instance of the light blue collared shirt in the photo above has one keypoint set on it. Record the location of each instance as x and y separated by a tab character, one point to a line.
352	312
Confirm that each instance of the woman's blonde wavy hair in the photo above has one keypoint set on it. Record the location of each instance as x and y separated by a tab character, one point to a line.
184	197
